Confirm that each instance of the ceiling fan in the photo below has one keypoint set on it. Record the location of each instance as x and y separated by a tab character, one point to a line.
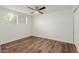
37	10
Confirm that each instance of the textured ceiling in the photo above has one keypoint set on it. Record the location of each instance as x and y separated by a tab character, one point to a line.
49	8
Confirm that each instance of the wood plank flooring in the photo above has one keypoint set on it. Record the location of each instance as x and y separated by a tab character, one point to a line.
38	45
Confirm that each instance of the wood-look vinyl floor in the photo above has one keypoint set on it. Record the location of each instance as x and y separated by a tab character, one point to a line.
38	45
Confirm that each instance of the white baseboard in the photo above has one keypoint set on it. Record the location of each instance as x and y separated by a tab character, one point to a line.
52	38
14	39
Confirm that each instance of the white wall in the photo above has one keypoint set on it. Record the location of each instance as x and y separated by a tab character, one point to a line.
76	28
11	32
56	25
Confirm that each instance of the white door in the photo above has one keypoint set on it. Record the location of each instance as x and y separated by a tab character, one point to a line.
76	28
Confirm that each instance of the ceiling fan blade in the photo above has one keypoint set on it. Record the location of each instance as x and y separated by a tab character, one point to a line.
31	12
42	8
41	12
31	8
36	7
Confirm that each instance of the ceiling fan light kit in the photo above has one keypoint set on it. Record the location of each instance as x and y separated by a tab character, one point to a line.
37	10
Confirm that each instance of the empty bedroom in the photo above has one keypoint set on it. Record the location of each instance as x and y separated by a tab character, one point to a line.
39	28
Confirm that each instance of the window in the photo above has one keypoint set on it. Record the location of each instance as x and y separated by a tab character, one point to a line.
11	18
26	19
22	19
16	19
